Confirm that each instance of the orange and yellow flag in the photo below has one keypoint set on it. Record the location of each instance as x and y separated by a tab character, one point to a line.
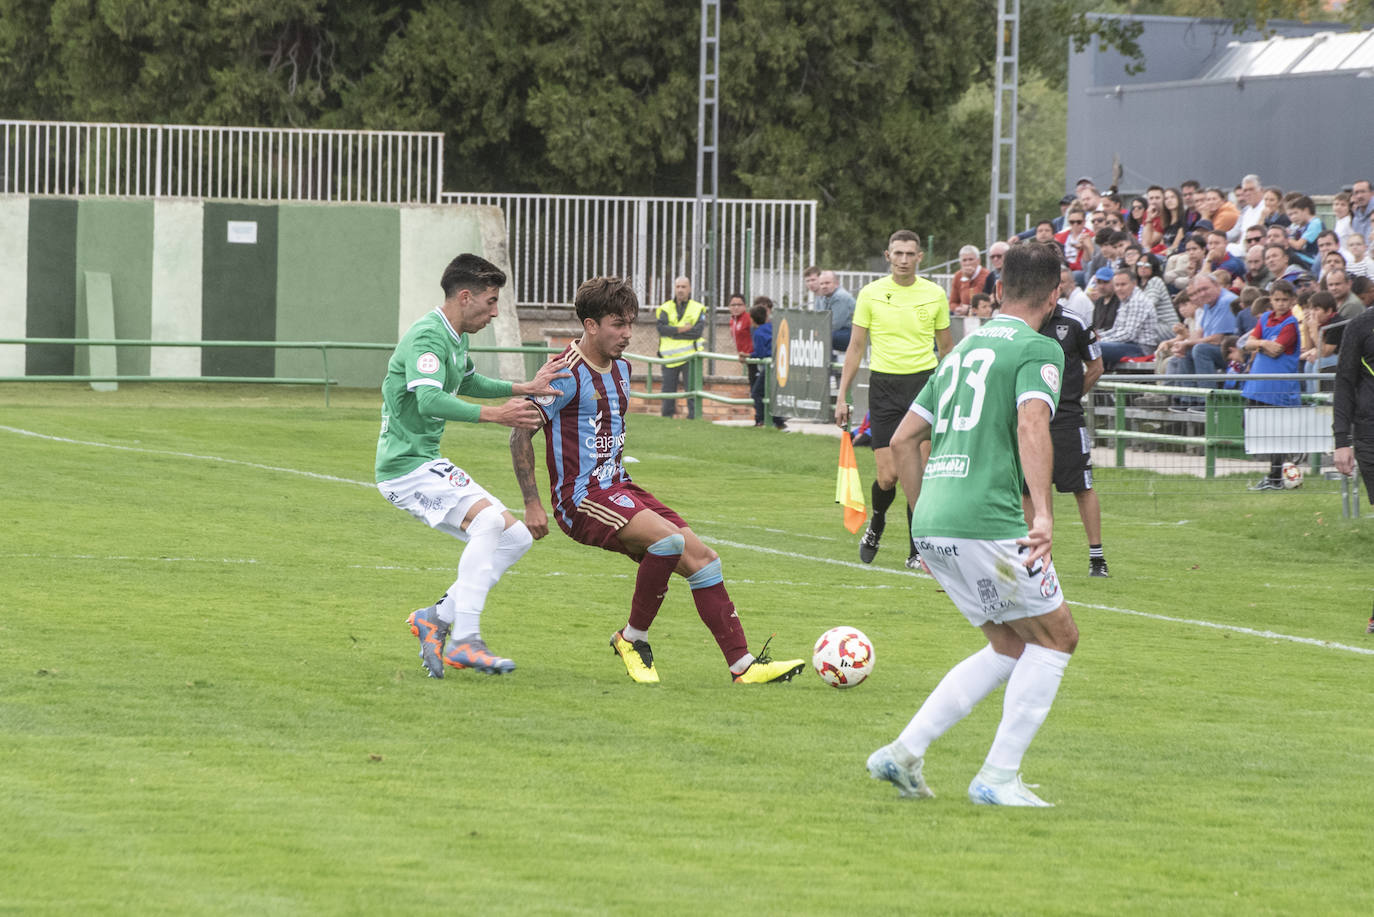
848	491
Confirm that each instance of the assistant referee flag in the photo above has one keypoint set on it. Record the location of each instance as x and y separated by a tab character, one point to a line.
847	488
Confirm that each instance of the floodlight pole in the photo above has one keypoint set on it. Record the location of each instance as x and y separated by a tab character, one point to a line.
1007	74
705	240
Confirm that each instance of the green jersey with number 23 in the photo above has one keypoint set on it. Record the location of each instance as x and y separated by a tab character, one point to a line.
972	483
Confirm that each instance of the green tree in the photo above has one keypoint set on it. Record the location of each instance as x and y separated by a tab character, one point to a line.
250	62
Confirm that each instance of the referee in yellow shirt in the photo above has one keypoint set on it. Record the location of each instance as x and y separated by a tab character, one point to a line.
905	318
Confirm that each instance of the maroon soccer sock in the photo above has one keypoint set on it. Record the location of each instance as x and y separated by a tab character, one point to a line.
718	614
651	585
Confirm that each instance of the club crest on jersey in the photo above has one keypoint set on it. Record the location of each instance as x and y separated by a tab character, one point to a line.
427	363
458	478
623	500
545	400
1050	373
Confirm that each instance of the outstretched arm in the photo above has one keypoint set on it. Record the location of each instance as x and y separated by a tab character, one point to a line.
541	384
522	460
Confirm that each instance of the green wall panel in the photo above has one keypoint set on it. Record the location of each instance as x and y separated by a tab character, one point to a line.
51	286
116	238
342	285
239	289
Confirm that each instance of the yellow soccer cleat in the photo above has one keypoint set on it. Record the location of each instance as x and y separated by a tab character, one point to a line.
638	658
764	670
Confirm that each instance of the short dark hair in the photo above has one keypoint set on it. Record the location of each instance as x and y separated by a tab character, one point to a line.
1196	239
810	270
1191	183
1048	223
1104	236
1282	286
1218	233
1120	235
601	296
1322	300
760	309
1228	342
904	235
1303	202
471	272
1030	272
978	299
1360	284
1328	232
739	296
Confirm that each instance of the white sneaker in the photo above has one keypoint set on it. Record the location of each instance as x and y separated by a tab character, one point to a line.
882	765
1011	793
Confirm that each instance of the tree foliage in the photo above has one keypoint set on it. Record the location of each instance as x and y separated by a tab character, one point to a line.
874	107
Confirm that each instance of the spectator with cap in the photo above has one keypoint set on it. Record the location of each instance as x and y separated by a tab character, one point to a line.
1105	301
1135	332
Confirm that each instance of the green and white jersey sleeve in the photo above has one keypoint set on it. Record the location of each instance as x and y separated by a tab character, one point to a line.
972	483
427	368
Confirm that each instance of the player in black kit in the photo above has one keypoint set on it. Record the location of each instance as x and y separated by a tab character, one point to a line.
1073	464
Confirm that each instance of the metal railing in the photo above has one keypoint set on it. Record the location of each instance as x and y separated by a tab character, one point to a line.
557	241
234	163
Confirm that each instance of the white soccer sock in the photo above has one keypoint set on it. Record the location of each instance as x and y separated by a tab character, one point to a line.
957	693
510	547
462	606
1030	692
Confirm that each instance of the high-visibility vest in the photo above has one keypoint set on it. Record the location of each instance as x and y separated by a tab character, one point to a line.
669	346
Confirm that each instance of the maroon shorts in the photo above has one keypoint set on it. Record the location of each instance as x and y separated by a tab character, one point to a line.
603	513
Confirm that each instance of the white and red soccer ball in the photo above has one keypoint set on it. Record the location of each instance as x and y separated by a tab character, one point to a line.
1291	476
843	657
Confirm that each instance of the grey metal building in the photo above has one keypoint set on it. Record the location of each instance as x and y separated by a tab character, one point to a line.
1296	108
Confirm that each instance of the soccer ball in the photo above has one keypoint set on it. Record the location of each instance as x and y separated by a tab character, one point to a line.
843	657
1291	476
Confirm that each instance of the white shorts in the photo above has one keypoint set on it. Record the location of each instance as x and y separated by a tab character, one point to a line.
988	581
439	494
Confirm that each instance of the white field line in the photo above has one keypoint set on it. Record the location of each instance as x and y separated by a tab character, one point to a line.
759	549
189	455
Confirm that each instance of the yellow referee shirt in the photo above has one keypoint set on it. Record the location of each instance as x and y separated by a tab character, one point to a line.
901	323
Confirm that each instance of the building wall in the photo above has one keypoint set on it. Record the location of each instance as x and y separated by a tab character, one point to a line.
1165	126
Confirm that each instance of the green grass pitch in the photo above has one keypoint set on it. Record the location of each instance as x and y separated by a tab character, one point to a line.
210	703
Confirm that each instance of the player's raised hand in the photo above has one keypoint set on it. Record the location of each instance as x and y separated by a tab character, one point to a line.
517	412
555	368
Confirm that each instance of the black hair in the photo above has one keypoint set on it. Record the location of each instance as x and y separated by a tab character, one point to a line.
1030	272
471	272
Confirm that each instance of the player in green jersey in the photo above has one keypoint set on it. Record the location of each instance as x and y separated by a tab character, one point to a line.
986	412
428	370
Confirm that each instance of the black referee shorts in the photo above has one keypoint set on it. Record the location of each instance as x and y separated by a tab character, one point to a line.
889	398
